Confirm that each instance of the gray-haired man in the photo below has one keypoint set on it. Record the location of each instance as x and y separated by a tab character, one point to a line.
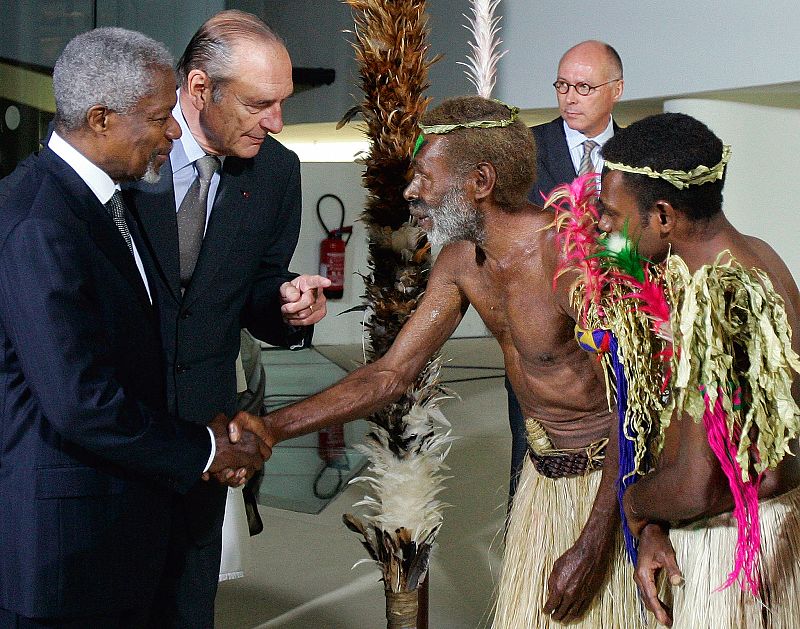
89	457
235	75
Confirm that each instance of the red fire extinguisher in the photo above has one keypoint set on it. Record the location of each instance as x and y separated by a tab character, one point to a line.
331	251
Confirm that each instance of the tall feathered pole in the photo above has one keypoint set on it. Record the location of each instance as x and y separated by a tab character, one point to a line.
482	62
405	446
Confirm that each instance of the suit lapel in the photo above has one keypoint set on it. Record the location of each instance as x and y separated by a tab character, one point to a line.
231	205
560	159
154	208
102	229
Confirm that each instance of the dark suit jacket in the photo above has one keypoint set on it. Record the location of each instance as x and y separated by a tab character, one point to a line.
88	455
249	241
553	163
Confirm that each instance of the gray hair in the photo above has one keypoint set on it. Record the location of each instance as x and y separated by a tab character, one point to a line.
111	66
211	49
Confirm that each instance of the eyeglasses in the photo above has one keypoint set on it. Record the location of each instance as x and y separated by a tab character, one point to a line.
583	89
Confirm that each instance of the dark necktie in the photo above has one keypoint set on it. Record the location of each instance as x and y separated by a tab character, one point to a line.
116	209
192	216
586	161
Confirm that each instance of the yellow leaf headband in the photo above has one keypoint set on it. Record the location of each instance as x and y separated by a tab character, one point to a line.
679	178
441	129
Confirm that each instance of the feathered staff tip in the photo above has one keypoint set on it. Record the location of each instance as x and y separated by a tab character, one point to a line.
481	64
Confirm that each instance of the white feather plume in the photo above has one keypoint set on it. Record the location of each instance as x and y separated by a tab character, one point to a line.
481	64
404	489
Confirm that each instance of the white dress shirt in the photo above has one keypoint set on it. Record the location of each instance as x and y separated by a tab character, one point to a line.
104	188
575	140
99	183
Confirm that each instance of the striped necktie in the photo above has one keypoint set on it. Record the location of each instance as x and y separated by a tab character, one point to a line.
586	161
116	209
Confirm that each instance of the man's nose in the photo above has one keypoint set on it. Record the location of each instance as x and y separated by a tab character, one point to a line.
410	193
272	120
572	94
173	131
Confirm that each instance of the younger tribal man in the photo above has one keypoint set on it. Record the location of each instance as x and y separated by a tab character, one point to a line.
469	193
726	468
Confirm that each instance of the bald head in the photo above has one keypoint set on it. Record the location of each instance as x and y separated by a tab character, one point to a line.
596	67
599	53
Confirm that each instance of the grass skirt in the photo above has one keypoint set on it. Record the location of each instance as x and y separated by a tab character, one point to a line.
705	555
547	517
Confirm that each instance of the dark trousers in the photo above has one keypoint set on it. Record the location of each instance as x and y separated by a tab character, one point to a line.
131	619
188	587
519	440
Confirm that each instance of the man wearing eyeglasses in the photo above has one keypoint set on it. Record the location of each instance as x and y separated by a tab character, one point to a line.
588	84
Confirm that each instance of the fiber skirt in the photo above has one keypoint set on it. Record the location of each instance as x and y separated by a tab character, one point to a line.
705	553
546	519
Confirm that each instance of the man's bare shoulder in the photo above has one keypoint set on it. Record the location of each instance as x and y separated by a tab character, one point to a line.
768	260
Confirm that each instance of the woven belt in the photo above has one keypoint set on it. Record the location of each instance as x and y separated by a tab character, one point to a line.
554	463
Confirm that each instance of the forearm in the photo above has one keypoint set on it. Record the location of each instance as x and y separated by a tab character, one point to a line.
358	395
663	496
262	314
688	482
604	517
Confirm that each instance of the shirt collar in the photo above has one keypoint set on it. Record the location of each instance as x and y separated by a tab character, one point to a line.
93	176
576	138
185	151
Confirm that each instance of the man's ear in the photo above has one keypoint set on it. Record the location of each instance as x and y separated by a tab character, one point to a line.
485	177
618	88
198	88
97	119
665	217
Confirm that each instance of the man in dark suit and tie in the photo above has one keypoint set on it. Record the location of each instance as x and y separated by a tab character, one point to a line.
89	456
588	85
222	225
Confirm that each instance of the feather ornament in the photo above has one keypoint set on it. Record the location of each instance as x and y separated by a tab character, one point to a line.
408	440
404	513
576	224
621	254
482	62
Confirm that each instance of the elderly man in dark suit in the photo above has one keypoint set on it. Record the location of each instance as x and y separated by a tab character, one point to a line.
588	85
222	226
89	457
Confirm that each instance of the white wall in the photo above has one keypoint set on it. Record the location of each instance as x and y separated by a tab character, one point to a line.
314	34
761	189
667	48
344	180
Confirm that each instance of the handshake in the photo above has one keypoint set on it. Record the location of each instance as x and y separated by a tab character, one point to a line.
243	444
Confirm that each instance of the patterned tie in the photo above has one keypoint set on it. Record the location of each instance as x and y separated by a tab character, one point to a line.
116	209
192	216
586	160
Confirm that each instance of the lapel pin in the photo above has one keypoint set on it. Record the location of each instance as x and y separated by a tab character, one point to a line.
246	194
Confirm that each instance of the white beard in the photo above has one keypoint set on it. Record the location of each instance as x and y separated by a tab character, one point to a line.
152	174
455	219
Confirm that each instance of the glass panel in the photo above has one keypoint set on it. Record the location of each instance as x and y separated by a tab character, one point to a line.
306	473
34	33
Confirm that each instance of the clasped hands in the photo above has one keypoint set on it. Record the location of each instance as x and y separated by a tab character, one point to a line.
243	444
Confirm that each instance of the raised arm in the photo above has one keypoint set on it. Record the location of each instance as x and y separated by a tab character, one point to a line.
372	386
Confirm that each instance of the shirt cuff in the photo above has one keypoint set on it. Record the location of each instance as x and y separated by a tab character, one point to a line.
213	450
